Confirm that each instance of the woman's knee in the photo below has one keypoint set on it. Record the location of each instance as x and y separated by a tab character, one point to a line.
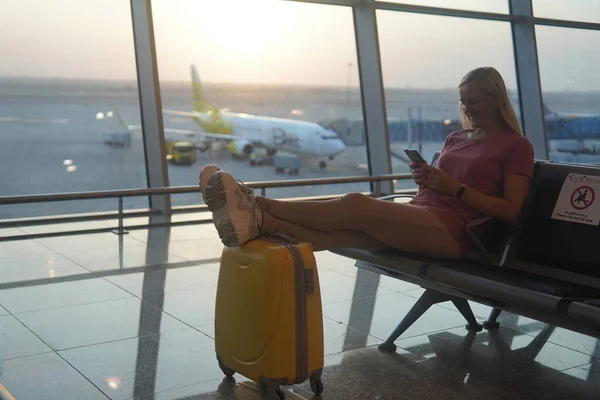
355	201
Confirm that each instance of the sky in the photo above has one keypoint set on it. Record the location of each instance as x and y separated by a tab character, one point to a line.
282	42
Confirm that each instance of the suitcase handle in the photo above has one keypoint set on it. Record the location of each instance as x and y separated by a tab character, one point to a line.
310	281
281	237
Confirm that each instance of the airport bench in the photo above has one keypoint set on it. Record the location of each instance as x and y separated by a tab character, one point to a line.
541	267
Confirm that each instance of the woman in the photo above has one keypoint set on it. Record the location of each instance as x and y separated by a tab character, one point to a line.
483	169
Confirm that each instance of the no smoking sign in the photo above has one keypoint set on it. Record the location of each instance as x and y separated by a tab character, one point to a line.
583	197
577	200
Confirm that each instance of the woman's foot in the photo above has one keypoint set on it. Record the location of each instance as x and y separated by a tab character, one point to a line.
205	175
208	171
235	213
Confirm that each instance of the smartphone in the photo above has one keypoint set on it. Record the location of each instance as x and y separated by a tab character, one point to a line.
415	156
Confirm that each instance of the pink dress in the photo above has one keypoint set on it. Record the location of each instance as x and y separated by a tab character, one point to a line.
478	164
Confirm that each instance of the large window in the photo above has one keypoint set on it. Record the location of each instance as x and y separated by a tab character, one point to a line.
572	10
265	89
423	59
493	6
67	92
569	70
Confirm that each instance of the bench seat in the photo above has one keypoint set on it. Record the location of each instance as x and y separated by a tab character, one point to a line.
574	307
498	278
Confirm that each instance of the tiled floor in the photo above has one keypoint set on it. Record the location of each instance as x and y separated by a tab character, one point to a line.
96	316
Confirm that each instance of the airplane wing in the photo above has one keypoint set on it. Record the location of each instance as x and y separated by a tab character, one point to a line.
190	134
180	113
189	113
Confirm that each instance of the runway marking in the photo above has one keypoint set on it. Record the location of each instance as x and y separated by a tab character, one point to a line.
5	394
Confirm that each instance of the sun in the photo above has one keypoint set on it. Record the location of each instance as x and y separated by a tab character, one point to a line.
248	27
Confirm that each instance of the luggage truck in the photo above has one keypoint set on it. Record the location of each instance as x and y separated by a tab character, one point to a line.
118	134
181	152
290	162
117	139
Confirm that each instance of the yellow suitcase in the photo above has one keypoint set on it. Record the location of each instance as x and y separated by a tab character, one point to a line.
268	316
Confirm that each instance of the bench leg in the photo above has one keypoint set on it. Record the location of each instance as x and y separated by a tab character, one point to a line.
465	309
491	322
429	298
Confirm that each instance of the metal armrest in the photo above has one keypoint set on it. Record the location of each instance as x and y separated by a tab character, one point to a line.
394	196
478	222
475	228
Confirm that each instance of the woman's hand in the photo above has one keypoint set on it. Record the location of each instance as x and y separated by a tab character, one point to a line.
435	179
419	174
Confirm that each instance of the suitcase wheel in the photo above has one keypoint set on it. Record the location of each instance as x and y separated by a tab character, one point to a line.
273	390
226	370
316	385
275	395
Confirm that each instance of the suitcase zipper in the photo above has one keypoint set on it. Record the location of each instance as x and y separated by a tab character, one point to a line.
301	312
302	318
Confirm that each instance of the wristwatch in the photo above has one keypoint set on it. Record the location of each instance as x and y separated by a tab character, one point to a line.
460	191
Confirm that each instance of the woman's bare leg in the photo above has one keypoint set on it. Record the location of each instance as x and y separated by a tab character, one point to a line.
238	216
350	211
343	239
401	226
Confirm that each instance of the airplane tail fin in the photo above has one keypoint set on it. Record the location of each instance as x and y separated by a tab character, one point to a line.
213	121
200	102
547	110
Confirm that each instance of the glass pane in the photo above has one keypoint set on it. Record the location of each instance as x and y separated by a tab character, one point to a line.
66	84
423	59
266	62
572	10
493	6
571	91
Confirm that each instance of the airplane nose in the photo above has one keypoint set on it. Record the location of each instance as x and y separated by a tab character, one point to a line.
339	146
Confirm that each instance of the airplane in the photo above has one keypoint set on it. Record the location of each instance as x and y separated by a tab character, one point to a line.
244	132
569	132
550	114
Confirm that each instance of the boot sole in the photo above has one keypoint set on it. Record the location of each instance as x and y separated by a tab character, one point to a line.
203	177
218	201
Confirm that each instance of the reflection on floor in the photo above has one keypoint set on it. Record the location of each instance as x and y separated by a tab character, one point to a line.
101	316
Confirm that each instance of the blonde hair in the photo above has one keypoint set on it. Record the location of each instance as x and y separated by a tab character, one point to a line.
491	82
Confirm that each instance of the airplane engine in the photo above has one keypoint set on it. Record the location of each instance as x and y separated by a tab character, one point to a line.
241	147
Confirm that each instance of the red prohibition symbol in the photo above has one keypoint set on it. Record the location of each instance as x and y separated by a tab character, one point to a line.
582	197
